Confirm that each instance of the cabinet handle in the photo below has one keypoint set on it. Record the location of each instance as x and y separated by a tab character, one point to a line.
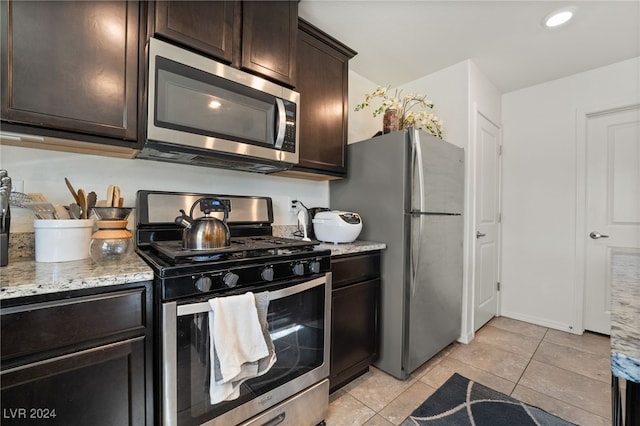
276	420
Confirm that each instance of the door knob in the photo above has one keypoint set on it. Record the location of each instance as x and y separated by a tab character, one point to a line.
595	235
480	234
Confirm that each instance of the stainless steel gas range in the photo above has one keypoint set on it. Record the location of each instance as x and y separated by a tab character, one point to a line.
295	390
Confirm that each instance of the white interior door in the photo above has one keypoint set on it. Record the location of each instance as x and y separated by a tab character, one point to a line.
487	214
612	204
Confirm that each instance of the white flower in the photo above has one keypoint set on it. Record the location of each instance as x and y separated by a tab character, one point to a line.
426	120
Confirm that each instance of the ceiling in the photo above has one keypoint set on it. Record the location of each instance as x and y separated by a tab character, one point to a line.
400	41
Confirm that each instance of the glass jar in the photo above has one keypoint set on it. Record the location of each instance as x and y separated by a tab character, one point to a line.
112	241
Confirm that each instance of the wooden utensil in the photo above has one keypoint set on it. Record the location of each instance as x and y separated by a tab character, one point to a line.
110	196
61	212
37	197
73	191
92	199
116	196
82	201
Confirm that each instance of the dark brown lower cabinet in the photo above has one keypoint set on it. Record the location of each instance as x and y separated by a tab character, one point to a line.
355	308
79	361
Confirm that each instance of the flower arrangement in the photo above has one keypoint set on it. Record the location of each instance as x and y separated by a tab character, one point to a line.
424	119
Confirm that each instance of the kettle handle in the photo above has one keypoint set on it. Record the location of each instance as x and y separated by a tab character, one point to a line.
183	220
216	205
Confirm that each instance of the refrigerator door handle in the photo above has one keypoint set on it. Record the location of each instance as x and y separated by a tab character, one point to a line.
416	165
416	254
417	158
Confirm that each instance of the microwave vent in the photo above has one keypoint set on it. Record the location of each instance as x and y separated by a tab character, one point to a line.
168	153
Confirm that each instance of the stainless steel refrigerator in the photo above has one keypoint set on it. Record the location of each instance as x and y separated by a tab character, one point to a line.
408	187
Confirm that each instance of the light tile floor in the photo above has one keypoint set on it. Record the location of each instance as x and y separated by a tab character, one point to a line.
562	373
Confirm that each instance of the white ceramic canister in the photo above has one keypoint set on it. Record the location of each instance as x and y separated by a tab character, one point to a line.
62	240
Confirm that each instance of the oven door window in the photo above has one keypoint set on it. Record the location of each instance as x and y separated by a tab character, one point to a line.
194	101
296	326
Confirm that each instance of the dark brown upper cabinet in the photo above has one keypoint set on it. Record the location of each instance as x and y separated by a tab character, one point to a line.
71	67
269	38
208	26
257	36
323	83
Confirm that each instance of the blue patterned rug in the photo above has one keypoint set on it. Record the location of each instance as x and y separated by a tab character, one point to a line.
462	402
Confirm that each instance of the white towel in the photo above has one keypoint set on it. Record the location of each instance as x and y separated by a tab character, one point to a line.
240	345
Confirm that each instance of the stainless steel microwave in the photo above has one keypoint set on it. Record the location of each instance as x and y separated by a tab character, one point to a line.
205	113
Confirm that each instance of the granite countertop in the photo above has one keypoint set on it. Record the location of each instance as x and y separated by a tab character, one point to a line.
351	248
26	277
30	278
625	315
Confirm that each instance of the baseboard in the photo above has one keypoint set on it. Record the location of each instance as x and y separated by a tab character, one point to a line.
467	337
540	321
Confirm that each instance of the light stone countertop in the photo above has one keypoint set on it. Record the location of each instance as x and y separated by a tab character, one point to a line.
351	248
358	246
625	315
26	277
30	278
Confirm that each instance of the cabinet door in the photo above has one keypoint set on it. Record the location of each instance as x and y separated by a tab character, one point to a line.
323	75
71	65
269	38
99	386
354	330
204	25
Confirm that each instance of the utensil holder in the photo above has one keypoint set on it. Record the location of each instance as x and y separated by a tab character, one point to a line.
62	240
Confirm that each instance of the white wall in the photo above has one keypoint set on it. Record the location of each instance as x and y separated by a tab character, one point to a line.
483	95
44	171
539	267
362	124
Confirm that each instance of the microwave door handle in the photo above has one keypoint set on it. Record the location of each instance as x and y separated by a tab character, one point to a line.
282	123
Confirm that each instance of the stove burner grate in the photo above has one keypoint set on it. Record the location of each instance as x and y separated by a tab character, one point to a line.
240	248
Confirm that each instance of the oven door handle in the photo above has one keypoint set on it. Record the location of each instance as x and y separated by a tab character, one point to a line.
200	307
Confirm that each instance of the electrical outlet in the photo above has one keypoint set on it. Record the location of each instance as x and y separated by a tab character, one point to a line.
293	205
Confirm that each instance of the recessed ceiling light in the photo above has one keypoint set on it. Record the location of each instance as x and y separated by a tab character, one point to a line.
559	17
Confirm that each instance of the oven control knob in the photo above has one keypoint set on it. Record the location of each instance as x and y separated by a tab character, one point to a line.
298	268
267	273
230	279
203	283
314	266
